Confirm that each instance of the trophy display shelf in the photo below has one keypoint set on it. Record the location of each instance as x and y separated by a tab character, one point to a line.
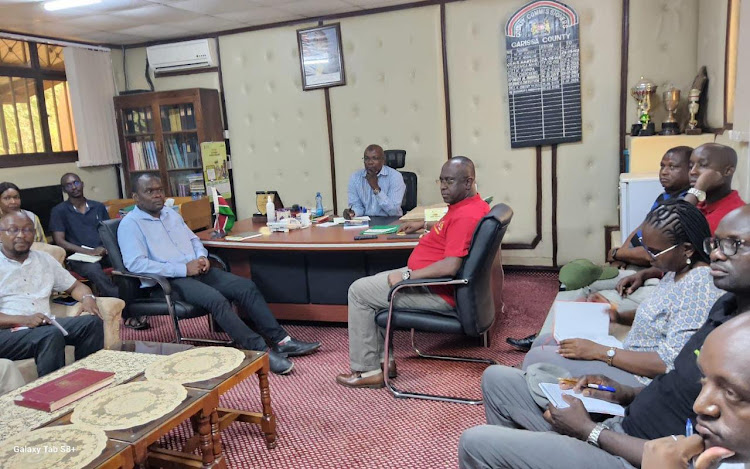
647	152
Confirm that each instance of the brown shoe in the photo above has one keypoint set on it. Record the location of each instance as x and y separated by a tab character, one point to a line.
355	380
392	371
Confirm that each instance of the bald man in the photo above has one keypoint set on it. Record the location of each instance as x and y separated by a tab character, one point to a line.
520	433
723	415
438	254
712	167
377	190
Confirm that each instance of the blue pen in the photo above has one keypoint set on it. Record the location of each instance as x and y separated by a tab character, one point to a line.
689	428
602	388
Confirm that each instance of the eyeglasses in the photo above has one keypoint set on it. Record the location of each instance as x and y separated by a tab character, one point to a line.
448	181
367	159
727	246
73	184
654	253
14	230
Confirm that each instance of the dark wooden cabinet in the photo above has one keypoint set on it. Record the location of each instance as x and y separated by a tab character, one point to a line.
161	132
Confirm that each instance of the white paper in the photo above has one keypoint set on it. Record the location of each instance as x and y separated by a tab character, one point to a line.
79	256
362	218
583	320
598	406
355	227
338	220
327	224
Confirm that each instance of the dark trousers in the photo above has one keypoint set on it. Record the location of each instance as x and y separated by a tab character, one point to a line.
46	344
94	273
215	290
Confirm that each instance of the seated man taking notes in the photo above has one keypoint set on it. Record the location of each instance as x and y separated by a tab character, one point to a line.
438	254
377	190
155	240
27	278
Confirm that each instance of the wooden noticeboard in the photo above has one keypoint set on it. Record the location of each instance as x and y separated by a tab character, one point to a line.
544	84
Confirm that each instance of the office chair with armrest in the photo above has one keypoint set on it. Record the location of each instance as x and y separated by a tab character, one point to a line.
475	305
151	301
396	159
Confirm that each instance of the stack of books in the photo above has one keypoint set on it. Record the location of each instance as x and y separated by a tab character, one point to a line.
142	155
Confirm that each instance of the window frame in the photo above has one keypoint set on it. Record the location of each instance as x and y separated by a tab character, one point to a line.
39	75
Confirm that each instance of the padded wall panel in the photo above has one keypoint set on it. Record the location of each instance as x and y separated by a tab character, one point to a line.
393	96
663	48
278	132
479	112
587	171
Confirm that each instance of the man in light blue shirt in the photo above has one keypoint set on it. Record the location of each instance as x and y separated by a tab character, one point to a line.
377	190
154	240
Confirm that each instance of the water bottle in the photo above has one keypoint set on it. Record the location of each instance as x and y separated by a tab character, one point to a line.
270	209
319	205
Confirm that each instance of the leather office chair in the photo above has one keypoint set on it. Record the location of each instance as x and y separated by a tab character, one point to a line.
475	305
397	159
154	301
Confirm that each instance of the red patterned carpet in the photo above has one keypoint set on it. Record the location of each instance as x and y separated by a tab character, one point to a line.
323	425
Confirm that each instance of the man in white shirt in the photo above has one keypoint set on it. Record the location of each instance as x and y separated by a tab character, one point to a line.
27	279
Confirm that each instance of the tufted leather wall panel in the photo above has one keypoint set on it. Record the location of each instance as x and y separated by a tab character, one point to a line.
663	47
393	96
479	116
278	132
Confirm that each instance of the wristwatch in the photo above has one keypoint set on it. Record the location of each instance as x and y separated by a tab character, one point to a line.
593	438
406	275
376	191
88	295
611	355
699	194
614	254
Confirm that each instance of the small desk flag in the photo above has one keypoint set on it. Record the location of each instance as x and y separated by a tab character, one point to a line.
224	215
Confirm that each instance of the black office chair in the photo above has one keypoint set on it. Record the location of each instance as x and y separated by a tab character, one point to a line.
397	159
475	305
155	301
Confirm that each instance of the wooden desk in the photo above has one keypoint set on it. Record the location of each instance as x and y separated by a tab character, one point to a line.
305	274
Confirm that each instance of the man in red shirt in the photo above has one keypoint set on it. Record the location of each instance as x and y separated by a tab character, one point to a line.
438	254
712	166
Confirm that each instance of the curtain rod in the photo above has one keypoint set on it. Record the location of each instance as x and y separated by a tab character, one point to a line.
24	37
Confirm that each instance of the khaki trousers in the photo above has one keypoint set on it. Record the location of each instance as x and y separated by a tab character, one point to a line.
369	295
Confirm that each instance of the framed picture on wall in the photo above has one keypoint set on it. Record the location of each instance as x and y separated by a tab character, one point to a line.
320	57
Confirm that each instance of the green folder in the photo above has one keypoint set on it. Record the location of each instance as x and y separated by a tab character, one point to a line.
380	230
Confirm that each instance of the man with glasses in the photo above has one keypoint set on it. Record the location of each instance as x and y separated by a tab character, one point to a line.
27	278
74	224
438	254
377	190
523	434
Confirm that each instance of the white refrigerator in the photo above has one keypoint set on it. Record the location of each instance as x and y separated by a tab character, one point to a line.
637	194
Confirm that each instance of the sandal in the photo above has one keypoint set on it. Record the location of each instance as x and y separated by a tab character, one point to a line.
138	323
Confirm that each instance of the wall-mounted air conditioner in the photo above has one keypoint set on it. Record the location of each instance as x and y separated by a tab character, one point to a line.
189	55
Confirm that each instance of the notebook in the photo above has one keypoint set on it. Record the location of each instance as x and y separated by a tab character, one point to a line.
554	394
582	320
242	236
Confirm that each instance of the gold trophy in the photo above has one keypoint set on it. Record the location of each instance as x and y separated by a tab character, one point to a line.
671	99
692	126
642	92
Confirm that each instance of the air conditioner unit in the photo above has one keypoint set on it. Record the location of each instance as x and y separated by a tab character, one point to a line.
189	55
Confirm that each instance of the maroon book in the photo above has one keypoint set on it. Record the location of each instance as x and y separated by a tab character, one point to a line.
62	391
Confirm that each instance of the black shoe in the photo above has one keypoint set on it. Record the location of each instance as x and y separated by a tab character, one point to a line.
138	323
279	365
524	344
296	348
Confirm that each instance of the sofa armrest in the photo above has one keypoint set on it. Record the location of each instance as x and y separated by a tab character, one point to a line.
111	311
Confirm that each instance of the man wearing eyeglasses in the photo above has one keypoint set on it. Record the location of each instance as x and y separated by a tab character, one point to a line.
74	224
522	434
377	190
438	254
27	278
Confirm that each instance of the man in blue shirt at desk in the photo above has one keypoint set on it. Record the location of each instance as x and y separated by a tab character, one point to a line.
154	240
377	190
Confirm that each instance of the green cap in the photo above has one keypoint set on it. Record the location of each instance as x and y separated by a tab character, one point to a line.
582	273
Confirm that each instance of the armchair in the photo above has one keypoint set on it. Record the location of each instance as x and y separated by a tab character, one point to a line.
474	301
396	159
151	301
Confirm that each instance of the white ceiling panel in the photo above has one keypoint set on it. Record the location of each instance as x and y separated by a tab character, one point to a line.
133	21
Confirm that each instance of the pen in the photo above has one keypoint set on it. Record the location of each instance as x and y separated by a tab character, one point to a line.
602	388
689	428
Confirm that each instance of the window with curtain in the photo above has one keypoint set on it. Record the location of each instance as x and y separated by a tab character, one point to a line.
36	120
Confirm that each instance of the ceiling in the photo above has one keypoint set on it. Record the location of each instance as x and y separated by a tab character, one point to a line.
137	21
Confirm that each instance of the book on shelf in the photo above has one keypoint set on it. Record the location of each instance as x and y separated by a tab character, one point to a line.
142	155
68	388
189	117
